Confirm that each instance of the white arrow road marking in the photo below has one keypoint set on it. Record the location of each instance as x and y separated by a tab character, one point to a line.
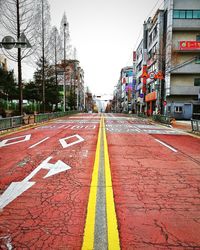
56	168
65	144
15	189
4	142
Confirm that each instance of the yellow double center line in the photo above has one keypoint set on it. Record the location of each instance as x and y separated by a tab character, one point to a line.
112	230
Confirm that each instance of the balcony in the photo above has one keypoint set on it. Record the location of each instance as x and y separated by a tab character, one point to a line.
186	24
184	90
186	68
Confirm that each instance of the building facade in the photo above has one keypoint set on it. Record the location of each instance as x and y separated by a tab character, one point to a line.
125	86
182	64
168	62
73	79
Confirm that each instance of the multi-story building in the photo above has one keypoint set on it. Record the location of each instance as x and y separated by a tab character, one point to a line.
182	70
73	76
155	62
88	100
126	80
139	95
170	45
150	57
167	63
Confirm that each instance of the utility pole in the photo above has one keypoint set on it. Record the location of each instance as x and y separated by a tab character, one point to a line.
64	83
19	59
43	75
55	59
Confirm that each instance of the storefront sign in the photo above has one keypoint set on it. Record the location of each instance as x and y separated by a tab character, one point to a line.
144	72
189	45
151	96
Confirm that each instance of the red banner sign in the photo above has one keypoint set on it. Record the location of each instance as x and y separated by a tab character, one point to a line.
189	45
151	97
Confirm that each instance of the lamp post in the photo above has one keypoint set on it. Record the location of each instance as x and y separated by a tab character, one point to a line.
64	83
8	43
43	73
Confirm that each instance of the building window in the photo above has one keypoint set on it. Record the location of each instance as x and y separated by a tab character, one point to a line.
176	14
182	14
186	14
197	61
198	38
189	14
196	81
196	14
178	109
169	109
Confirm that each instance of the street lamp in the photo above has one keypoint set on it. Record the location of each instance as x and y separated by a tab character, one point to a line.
64	83
8	43
43	64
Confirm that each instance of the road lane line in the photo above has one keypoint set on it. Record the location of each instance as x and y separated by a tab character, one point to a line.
112	227
100	232
88	240
34	145
166	145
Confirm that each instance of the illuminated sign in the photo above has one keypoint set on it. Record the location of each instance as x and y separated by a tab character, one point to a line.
189	45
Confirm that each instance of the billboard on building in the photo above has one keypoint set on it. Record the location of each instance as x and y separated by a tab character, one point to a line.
189	45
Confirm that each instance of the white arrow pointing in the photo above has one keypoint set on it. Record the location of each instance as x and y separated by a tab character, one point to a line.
15	189
56	168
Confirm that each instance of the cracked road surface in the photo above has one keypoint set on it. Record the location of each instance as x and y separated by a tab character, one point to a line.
156	188
155	178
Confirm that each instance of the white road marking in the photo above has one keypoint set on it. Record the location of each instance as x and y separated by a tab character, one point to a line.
15	189
39	142
4	142
164	144
66	145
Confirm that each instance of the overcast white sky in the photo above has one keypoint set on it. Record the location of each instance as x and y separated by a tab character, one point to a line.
104	32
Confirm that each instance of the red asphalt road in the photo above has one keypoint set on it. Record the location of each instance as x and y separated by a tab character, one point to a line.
156	190
51	214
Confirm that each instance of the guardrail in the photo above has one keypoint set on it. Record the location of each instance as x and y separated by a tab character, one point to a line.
49	116
11	122
163	119
195	125
17	121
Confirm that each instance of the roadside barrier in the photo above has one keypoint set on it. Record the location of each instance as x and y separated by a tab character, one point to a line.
11	122
163	119
17	121
49	116
195	125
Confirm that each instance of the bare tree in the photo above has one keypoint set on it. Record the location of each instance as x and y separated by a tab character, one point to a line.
16	18
55	52
55	47
42	20
64	28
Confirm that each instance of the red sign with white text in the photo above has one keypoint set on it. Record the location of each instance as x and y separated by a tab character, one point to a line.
189	45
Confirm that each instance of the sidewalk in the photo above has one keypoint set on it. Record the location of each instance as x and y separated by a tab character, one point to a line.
182	125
